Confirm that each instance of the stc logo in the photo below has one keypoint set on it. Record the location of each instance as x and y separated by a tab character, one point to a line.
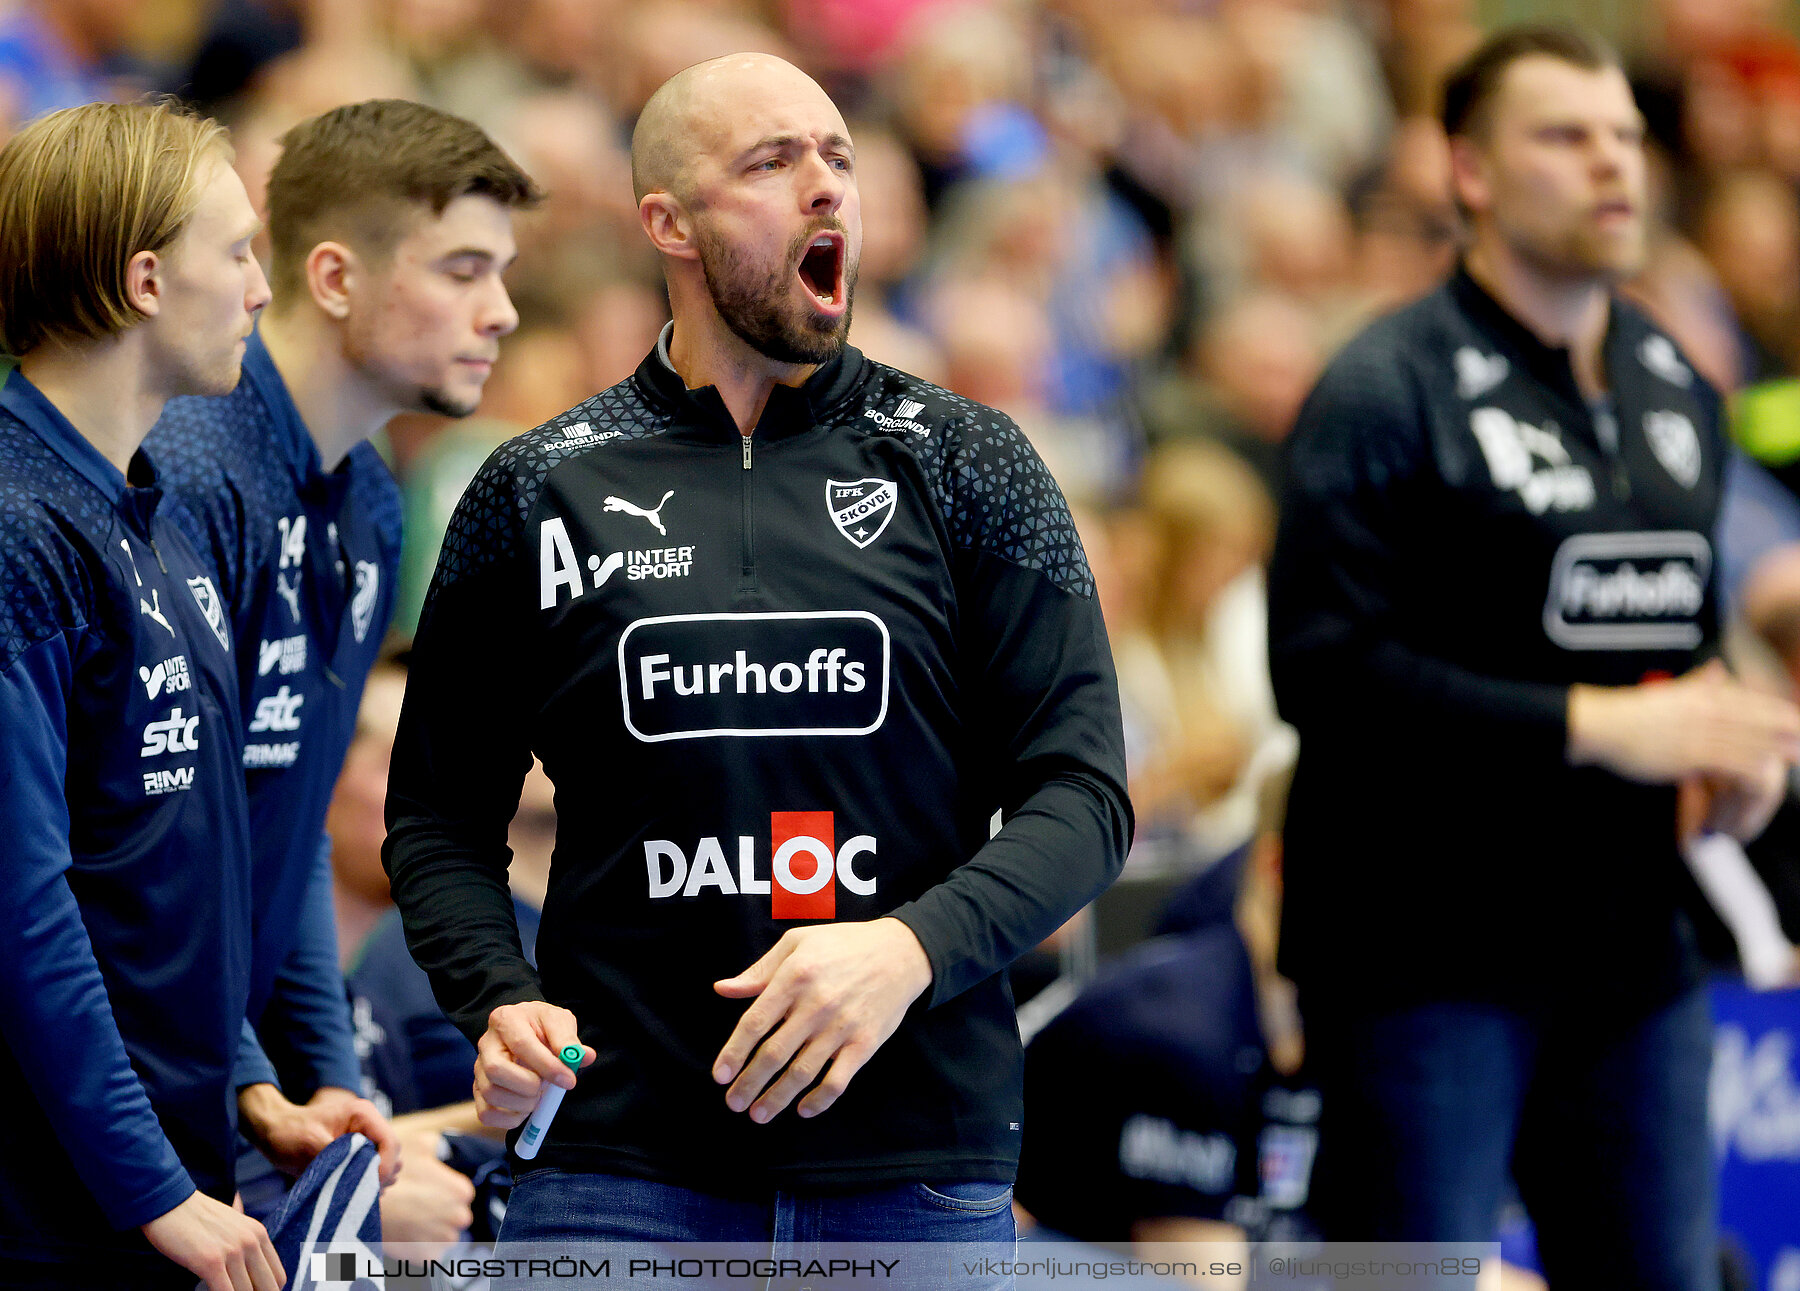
806	865
174	734
279	712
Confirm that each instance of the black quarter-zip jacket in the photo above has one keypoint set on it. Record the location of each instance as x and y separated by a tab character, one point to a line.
1463	538
776	679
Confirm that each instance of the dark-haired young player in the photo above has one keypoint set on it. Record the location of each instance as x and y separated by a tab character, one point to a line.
391	224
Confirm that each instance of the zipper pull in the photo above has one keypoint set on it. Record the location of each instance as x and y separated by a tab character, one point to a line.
746	452
158	555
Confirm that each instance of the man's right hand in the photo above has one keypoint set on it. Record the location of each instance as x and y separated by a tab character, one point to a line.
226	1250
429	1205
1704	723
516	1055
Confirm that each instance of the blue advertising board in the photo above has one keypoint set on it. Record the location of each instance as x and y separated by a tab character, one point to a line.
1756	1130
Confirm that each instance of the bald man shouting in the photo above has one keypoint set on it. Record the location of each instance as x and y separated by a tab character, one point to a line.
787	628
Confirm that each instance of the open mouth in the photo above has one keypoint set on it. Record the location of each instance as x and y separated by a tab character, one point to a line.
822	270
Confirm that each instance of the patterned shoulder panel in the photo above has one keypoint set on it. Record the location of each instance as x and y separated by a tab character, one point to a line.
993	490
218	465
490	520
43	588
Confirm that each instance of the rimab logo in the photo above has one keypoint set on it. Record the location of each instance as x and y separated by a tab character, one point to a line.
1628	591
699	676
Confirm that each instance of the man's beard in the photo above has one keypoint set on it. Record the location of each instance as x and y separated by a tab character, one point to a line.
359	349
435	400
1576	254
761	311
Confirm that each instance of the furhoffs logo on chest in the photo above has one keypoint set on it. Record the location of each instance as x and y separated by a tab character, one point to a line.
861	509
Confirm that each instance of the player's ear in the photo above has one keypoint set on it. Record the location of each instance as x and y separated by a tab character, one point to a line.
331	269
1469	173
143	283
668	225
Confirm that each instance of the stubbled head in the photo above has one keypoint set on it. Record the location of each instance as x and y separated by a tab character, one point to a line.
745	177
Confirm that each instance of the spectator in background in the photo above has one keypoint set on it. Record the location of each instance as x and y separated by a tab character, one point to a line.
1419	42
353	823
895	226
959	85
61	53
1056	245
1166	1103
1213	524
1749	231
1406	224
240	38
1243	382
416	1066
1296	239
431	1204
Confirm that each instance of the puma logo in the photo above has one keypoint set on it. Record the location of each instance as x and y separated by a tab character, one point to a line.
290	594
654	515
153	607
1477	373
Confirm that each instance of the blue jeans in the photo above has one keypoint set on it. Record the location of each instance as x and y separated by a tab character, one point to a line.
559	1206
1603	1127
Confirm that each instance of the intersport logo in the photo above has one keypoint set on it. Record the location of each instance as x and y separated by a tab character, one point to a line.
805	866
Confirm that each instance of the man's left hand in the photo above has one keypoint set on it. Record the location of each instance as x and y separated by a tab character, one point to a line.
826	996
291	1135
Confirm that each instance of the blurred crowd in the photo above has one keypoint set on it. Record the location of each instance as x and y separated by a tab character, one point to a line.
1138	226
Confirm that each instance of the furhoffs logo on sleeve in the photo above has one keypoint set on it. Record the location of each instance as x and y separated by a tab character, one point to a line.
861	509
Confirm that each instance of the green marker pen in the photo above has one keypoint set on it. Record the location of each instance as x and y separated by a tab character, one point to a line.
545	1112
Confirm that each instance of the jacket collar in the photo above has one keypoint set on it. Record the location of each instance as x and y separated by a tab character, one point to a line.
791	410
25	401
299	453
1548	363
